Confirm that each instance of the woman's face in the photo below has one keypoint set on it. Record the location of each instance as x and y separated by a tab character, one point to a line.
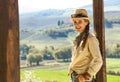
80	24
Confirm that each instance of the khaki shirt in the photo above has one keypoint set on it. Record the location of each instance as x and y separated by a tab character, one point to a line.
87	60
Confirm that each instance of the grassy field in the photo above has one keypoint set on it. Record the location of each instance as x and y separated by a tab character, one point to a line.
58	76
113	64
111	78
48	76
57	72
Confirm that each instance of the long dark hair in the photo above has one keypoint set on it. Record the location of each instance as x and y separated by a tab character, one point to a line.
83	36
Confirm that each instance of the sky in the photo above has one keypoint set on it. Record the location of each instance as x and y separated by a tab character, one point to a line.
26	6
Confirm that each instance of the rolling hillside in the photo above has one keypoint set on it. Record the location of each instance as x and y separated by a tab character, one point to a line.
50	17
34	27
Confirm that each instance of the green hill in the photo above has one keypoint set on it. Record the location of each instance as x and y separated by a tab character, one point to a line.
42	27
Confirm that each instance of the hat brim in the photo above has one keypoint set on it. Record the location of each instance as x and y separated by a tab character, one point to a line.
89	19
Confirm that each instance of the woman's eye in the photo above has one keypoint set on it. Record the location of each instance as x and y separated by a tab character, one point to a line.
75	22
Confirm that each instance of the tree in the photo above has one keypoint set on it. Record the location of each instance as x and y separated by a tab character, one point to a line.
47	54
24	50
34	58
62	22
108	24
64	53
58	23
30	59
113	50
38	58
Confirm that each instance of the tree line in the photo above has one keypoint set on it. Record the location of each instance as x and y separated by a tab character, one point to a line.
114	73
113	50
33	55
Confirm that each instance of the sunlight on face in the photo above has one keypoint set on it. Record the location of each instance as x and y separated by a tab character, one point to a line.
80	25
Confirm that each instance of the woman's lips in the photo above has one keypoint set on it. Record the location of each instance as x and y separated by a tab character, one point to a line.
77	27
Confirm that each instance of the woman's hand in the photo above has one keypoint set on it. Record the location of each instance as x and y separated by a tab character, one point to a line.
81	78
86	75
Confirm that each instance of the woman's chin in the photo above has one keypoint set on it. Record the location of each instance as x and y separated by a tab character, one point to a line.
78	30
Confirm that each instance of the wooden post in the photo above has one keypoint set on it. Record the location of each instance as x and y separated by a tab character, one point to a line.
9	41
98	11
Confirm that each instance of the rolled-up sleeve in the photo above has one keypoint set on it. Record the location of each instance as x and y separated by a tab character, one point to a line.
96	55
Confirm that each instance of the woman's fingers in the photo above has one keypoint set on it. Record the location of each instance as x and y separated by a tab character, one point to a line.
81	78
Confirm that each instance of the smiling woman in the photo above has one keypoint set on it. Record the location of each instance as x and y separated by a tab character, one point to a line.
60	4
9	39
37	5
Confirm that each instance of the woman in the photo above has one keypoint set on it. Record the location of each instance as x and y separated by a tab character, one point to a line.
86	56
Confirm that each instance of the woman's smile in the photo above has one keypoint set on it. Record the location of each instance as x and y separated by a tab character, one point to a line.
78	28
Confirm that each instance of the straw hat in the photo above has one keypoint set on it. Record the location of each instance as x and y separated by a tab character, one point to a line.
80	14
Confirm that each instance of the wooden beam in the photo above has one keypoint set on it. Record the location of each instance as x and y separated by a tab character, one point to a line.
98	12
9	41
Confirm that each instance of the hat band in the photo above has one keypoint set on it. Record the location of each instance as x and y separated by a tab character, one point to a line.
78	16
